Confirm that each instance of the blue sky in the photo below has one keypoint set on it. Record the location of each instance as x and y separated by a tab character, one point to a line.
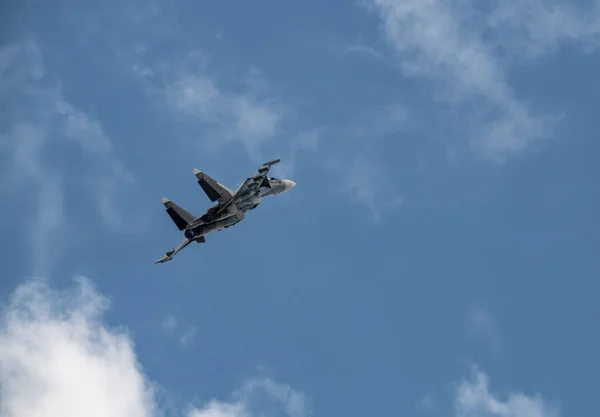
437	257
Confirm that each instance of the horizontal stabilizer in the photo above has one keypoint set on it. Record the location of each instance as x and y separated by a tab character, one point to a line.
172	252
180	216
165	258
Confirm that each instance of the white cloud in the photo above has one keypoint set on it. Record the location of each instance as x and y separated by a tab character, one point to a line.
218	409
19	63
364	180
474	399
26	142
254	120
258	397
446	42
248	115
169	323
534	27
59	358
86	131
362	49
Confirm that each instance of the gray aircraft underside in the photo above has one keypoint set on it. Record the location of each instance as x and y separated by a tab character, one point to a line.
230	209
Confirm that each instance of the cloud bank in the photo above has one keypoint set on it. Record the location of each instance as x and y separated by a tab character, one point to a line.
59	358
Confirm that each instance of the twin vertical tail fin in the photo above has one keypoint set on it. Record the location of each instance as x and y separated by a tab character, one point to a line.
182	219
179	215
214	190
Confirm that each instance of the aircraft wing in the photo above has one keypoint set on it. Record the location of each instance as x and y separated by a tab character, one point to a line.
258	179
172	252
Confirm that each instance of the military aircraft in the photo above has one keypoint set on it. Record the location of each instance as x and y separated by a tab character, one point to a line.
230	209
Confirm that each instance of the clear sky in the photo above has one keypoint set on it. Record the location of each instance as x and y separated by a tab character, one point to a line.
438	256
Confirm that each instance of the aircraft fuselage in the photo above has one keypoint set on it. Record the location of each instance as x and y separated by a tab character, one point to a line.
236	212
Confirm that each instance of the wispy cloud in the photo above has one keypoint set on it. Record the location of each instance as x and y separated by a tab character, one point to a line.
58	357
531	28
273	395
248	114
27	172
365	181
260	396
448	42
19	63
361	49
111	175
23	142
169	323
188	337
361	175
473	399
426	404
484	326
39	123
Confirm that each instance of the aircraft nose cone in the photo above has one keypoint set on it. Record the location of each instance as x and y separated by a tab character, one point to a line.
289	184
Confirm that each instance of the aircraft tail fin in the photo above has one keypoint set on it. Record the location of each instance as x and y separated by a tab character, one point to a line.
213	189
180	216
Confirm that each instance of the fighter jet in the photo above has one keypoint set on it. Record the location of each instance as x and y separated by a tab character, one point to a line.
230	209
